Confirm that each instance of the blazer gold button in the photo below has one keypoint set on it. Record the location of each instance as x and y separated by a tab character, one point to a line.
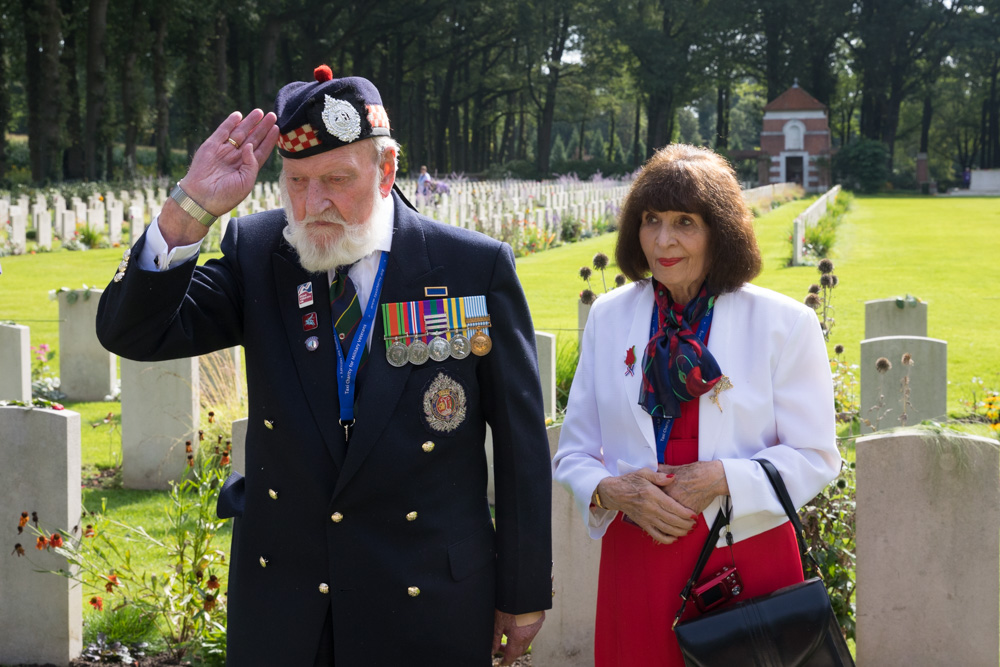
324	589
336	517
263	562
427	446
413	591
268	424
273	494
412	516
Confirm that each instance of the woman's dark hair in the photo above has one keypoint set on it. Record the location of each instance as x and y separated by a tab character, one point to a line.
686	178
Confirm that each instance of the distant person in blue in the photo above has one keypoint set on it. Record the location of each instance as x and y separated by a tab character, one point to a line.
424	182
966	178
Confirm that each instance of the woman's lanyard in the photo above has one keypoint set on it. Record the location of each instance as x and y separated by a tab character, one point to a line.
347	369
663	425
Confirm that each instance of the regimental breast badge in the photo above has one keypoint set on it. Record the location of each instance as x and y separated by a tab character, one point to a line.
444	404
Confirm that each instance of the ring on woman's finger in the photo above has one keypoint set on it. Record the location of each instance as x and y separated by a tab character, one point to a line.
233	142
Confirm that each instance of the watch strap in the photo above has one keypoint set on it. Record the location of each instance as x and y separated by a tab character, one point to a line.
191	207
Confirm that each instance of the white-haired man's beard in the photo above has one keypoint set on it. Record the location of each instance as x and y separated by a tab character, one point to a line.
322	247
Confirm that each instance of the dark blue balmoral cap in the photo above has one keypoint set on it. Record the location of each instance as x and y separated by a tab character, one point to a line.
318	116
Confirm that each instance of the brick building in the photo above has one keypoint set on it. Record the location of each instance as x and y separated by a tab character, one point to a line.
795	141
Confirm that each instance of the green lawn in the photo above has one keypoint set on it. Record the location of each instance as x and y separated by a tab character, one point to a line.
942	250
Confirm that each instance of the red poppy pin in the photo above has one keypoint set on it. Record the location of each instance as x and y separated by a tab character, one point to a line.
630	361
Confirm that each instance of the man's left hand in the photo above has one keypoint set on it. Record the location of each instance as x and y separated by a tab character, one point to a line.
520	630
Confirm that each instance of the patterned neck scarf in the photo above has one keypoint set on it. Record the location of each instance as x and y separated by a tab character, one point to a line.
677	365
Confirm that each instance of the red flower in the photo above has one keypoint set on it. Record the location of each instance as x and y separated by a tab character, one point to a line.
630	356
24	520
55	540
18	549
41	543
57	406
209	603
213	583
97	603
90	532
112	582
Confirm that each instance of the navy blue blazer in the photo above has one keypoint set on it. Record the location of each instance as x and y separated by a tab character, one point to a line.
392	533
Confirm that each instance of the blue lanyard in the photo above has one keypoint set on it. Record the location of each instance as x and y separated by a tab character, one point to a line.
663	425
347	369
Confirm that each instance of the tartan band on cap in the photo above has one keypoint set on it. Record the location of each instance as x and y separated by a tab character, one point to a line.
320	115
298	139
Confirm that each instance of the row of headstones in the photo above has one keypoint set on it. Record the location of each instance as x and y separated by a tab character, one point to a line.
922	556
918	389
767	193
808	218
160	400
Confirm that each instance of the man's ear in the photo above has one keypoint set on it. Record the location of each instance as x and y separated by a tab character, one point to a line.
387	171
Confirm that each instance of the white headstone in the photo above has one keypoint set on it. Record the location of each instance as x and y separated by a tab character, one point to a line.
136	223
96	219
4	212
44	234
925	388
160	415
546	344
67	225
15	363
86	369
115	218
19	229
567	637
928	549
895	317
41	618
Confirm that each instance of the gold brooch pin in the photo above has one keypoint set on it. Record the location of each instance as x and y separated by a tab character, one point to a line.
720	386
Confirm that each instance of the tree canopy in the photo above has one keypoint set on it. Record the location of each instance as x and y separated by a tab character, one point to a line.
527	87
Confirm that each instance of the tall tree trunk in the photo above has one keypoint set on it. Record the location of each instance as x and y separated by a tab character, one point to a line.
636	158
522	148
51	93
33	86
722	116
444	118
129	91
5	34
659	114
583	138
419	155
97	88
268	52
161	101
994	123
611	140
544	142
221	106
925	123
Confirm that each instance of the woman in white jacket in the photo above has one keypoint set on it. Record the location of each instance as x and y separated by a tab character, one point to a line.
685	376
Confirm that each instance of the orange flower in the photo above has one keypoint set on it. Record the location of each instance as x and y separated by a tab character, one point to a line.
55	540
209	603
24	520
19	550
112	582
90	532
211	418
187	448
41	543
190	460
97	603
225	460
213	582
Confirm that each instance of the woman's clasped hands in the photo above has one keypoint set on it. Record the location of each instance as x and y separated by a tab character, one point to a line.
665	503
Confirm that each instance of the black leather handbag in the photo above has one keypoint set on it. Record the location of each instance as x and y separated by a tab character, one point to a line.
791	627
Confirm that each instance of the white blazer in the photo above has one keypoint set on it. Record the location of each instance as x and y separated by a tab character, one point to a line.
780	406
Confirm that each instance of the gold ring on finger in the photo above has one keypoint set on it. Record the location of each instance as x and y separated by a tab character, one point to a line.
233	142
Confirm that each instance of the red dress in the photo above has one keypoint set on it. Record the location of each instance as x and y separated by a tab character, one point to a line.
638	592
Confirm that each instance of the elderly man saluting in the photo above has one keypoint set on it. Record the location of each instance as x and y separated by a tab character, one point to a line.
379	344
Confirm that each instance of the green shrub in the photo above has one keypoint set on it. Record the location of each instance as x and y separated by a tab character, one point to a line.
862	165
567	357
828	522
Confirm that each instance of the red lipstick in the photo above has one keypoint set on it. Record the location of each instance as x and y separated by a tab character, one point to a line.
669	261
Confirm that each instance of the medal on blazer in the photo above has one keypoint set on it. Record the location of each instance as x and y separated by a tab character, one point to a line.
348	365
435	329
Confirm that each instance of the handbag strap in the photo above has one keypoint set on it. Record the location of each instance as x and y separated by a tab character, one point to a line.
722	519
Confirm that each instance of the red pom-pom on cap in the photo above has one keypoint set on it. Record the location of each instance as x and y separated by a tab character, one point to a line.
323	73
